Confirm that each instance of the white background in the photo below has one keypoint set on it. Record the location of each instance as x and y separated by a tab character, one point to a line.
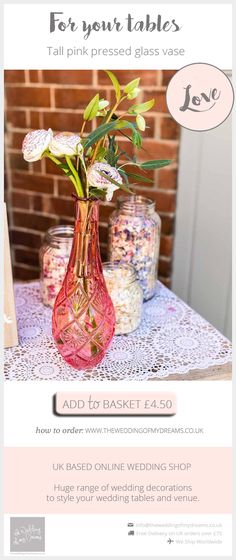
106	535
199	404
205	34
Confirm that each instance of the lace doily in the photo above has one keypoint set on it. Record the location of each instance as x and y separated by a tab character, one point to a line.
172	339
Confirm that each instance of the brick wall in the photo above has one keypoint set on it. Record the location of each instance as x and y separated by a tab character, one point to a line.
37	195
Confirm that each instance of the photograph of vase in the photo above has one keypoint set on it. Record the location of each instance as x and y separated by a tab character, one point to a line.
83	315
113	215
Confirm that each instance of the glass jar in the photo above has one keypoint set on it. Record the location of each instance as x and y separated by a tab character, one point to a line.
126	295
134	237
54	257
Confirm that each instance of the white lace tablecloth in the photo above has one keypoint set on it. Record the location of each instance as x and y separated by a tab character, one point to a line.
172	339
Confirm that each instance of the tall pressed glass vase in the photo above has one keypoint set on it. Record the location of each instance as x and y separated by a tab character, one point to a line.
83	321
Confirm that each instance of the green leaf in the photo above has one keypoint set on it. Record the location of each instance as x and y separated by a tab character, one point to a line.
98	193
112	181
154	164
124	175
104	129
133	94
126	189
92	108
119	185
141	123
138	177
123	153
132	85
101	153
137	138
141	107
115	83
97	134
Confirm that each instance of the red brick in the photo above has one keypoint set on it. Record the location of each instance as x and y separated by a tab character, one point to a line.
167	178
32	182
104	252
150	127
20	200
38	202
16	139
165	201
149	174
74	98
158	150
5	183
35	119
61	207
25	238
160	105
28	96
148	77
26	256
17	161
76	77
65	187
64	221
37	166
60	121
166	246
34	221
166	76
16	119
164	268
34	75
165	281
25	273
51	205
127	146
53	169
14	76
103	234
167	225
169	129
105	212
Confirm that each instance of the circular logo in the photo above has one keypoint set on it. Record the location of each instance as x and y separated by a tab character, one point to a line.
200	96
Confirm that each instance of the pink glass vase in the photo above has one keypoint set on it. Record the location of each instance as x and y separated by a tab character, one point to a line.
83	320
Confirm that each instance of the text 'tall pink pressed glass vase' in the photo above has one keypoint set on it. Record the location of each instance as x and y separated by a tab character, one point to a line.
83	320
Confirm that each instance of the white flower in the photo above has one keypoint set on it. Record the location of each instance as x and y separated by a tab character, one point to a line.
66	144
97	180
35	143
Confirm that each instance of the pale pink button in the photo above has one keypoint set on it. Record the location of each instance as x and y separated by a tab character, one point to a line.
115	404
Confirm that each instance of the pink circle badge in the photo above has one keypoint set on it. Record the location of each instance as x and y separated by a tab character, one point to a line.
200	96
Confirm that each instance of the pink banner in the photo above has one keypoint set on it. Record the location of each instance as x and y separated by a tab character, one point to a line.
117	480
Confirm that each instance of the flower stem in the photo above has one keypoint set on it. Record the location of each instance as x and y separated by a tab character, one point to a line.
79	188
58	162
107	121
82	128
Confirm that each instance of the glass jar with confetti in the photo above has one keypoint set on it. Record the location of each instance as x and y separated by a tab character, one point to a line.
54	257
134	237
126	295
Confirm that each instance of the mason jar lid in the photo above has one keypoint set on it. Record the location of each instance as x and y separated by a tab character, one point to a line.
59	234
136	204
119	271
